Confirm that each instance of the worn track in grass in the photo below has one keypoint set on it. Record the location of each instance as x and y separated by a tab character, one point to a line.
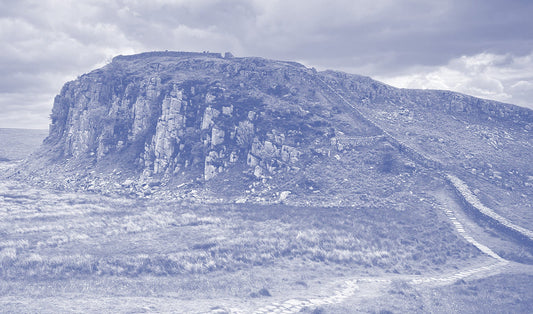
369	287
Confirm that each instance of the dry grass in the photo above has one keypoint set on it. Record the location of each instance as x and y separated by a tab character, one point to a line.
86	242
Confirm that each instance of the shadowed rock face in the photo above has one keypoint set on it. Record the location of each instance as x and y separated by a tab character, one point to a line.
173	117
169	112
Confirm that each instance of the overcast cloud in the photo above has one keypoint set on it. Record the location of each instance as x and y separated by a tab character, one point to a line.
479	47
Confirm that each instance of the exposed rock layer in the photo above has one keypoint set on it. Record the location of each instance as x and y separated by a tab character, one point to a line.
172	117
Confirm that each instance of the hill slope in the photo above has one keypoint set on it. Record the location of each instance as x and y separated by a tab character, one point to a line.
253	129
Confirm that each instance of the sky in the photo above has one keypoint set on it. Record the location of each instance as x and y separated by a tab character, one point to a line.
482	48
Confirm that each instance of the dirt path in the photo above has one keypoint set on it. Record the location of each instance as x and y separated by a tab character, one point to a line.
368	287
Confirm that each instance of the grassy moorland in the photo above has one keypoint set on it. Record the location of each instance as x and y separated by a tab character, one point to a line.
55	240
88	252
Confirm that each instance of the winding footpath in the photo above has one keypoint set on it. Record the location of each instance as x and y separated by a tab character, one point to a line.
352	287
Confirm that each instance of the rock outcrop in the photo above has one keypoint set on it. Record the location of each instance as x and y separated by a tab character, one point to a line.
166	119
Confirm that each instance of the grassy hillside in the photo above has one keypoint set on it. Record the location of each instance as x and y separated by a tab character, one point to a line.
57	239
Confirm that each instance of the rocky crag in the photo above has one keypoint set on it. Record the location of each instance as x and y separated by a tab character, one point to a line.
240	129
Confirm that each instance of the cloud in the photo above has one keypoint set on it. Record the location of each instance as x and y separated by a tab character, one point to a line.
506	78
45	43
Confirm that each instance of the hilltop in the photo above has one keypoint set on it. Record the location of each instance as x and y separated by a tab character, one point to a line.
204	126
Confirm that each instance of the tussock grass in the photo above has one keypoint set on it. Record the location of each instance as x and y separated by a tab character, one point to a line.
94	238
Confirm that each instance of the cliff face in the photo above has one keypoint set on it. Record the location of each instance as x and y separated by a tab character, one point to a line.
177	117
174	112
